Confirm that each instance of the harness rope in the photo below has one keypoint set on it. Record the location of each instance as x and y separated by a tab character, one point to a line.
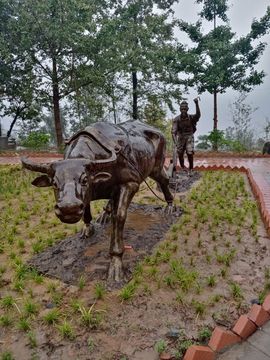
138	171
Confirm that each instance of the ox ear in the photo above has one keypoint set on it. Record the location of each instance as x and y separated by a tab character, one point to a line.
101	177
42	181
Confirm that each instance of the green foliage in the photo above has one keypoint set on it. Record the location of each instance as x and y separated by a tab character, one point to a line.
7	355
214	8
7	301
154	115
240	136
24	324
99	291
91	318
215	139
66	330
128	291
52	317
160	346
236	291
218	60
36	140
82	282
204	334
5	320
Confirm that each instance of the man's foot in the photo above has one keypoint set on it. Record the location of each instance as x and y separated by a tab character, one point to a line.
190	172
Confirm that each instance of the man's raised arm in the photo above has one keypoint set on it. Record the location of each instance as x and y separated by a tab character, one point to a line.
198	111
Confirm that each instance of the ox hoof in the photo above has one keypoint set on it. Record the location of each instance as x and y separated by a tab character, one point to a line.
116	273
104	218
169	209
87	231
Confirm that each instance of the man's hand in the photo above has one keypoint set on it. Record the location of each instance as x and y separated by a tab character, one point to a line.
196	100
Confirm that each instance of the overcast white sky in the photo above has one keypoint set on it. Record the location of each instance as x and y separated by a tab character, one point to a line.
241	14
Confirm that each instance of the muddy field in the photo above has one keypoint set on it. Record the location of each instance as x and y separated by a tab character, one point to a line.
74	257
188	272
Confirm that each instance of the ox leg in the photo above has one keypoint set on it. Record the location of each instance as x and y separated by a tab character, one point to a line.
162	179
105	216
88	228
119	213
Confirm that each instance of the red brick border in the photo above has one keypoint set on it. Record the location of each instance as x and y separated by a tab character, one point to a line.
221	339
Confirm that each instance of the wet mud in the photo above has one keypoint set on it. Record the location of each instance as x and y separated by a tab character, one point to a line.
74	257
184	180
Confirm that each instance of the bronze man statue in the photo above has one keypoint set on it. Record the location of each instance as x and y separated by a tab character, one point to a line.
183	128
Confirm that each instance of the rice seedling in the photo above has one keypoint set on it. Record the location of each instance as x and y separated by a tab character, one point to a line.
24	324
223	272
6	320
66	330
152	271
32	339
7	355
52	317
7	301
90	344
57	298
30	308
160	346
199	307
82	282
99	291
236	291
211	280
127	292
204	334
90	318
19	285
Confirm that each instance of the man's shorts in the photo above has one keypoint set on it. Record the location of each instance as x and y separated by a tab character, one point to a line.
186	143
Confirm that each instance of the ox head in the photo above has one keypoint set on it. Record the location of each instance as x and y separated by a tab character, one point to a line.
72	181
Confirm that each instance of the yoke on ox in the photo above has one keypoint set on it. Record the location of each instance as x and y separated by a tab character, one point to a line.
105	161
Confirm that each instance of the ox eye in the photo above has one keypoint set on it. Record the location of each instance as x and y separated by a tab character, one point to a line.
84	181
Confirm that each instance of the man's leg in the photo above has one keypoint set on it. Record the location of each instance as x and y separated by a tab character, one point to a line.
181	159
181	146
190	160
190	151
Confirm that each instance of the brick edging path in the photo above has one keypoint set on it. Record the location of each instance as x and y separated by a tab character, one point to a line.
221	338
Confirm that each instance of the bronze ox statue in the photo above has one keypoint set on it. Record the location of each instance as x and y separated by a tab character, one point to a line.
105	161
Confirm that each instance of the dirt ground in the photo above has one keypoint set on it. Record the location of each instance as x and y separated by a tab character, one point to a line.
71	258
216	286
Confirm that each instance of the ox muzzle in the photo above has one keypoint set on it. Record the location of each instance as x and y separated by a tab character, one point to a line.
69	209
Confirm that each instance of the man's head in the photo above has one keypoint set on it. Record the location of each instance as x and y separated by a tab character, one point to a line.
184	107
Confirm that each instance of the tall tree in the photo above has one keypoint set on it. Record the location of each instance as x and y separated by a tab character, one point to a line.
219	60
56	36
211	11
241	131
144	48
17	83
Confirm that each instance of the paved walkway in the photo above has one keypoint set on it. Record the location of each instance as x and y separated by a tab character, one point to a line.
257	347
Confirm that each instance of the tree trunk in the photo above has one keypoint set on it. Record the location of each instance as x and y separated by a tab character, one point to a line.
134	95
56	105
18	111
215	145
215	110
114	111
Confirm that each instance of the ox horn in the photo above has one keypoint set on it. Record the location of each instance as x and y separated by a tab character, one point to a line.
102	163
33	166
